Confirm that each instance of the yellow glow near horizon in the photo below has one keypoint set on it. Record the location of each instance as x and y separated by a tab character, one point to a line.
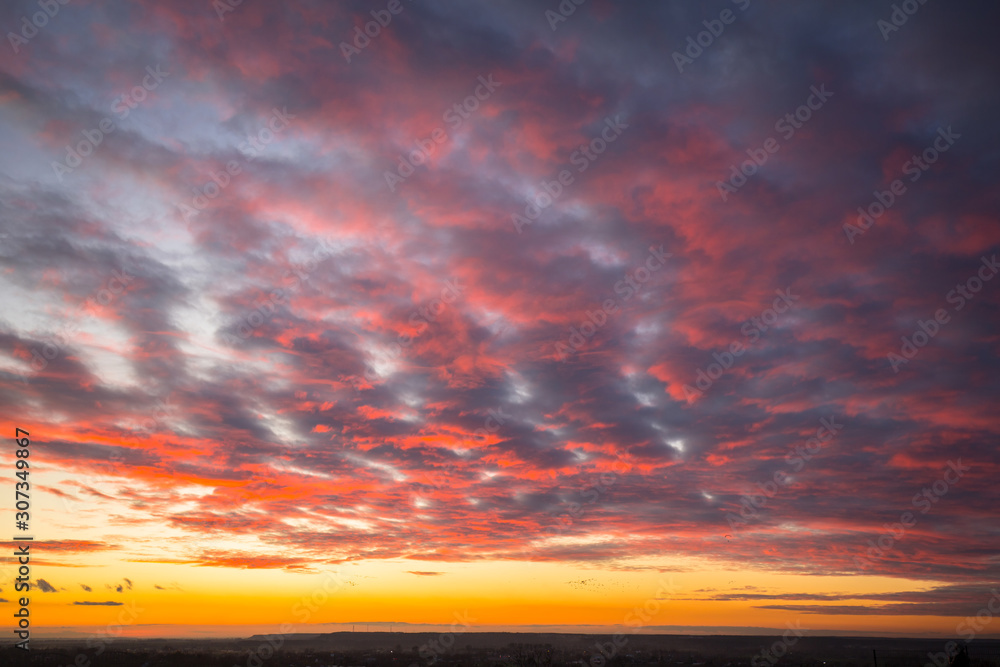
484	595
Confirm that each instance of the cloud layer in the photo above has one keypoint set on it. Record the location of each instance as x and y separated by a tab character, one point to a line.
489	290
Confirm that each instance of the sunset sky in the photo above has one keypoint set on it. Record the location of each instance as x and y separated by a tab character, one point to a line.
502	312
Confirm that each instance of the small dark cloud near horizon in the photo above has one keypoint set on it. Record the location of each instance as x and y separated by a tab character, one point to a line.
45	586
171	587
